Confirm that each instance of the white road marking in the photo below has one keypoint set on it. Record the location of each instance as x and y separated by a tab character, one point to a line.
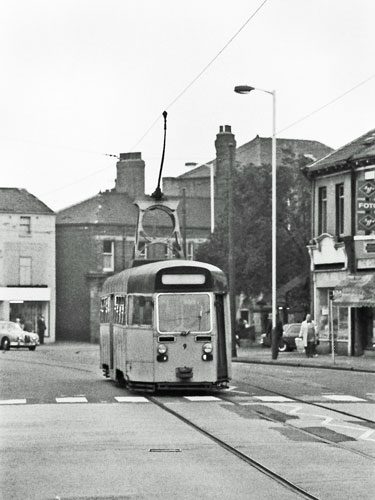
202	398
366	435
232	388
12	401
342	397
273	399
75	399
131	399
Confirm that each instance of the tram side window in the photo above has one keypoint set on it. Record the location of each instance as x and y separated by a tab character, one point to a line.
104	310
140	310
119	313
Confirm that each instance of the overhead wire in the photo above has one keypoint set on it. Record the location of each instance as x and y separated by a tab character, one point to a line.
187	87
305	117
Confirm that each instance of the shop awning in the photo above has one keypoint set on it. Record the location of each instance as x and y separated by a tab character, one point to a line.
355	291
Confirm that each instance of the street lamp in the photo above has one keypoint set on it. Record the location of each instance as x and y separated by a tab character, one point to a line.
246	89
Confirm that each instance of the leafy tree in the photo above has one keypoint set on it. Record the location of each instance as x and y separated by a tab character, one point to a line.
252	228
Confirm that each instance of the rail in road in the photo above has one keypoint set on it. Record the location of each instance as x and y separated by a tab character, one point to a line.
283	481
334	397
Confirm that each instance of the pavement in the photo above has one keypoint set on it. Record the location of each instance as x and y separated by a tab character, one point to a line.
83	353
262	355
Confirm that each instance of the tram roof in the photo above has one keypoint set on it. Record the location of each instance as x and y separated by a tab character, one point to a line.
143	279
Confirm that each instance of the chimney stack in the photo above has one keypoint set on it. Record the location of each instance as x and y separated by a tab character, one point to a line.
130	175
223	139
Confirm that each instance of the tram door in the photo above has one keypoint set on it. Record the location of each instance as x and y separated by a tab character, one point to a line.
222	371
111	346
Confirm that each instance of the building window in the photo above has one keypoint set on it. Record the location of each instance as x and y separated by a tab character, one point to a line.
25	271
108	256
322	210
190	250
25	225
339	209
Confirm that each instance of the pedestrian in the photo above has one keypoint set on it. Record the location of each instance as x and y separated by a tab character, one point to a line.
20	322
308	334
41	328
28	327
277	333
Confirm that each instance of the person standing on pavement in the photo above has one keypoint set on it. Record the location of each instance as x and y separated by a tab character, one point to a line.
41	328
277	333
308	334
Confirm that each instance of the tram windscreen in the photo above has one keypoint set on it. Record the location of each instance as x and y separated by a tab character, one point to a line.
184	312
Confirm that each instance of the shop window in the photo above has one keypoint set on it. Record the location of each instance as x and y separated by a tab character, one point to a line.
339	209
322	210
108	256
25	271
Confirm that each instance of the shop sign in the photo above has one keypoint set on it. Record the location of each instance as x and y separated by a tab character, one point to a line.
366	205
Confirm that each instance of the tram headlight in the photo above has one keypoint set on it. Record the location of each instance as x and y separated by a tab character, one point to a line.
207	348
162	349
207	352
162	353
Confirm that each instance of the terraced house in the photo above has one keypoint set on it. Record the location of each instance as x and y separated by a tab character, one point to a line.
27	259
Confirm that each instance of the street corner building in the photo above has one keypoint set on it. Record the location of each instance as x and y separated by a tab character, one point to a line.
27	260
342	250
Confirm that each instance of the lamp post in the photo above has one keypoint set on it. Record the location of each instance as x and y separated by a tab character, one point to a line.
246	89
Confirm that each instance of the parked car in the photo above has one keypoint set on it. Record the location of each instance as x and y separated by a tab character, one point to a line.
290	333
12	335
287	341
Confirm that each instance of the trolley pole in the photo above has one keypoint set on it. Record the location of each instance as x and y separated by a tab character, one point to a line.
231	261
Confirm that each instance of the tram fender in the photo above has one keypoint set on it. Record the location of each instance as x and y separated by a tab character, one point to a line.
184	372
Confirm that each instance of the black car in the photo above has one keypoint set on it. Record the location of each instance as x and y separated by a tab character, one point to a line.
287	341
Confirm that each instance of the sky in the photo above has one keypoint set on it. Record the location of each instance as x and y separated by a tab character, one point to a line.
85	79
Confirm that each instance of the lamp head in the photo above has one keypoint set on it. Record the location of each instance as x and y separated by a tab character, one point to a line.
243	89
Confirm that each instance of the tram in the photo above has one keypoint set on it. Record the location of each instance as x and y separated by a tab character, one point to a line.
166	325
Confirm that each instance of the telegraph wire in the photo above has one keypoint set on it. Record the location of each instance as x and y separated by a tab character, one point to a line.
202	71
326	104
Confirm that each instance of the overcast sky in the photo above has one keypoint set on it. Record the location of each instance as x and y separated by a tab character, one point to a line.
82	78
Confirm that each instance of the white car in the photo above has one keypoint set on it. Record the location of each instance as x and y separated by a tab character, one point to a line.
12	335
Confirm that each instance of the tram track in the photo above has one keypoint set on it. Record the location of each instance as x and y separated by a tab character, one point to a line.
54	365
315	404
303	431
286	483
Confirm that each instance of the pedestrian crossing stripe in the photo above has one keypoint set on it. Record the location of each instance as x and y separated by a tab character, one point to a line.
12	401
76	399
131	399
274	399
342	397
202	398
250	400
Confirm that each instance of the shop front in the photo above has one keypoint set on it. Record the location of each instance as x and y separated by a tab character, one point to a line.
355	296
27	303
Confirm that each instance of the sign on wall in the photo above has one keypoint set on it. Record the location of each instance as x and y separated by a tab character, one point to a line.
366	205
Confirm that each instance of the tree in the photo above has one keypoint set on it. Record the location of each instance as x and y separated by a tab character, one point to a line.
252	227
